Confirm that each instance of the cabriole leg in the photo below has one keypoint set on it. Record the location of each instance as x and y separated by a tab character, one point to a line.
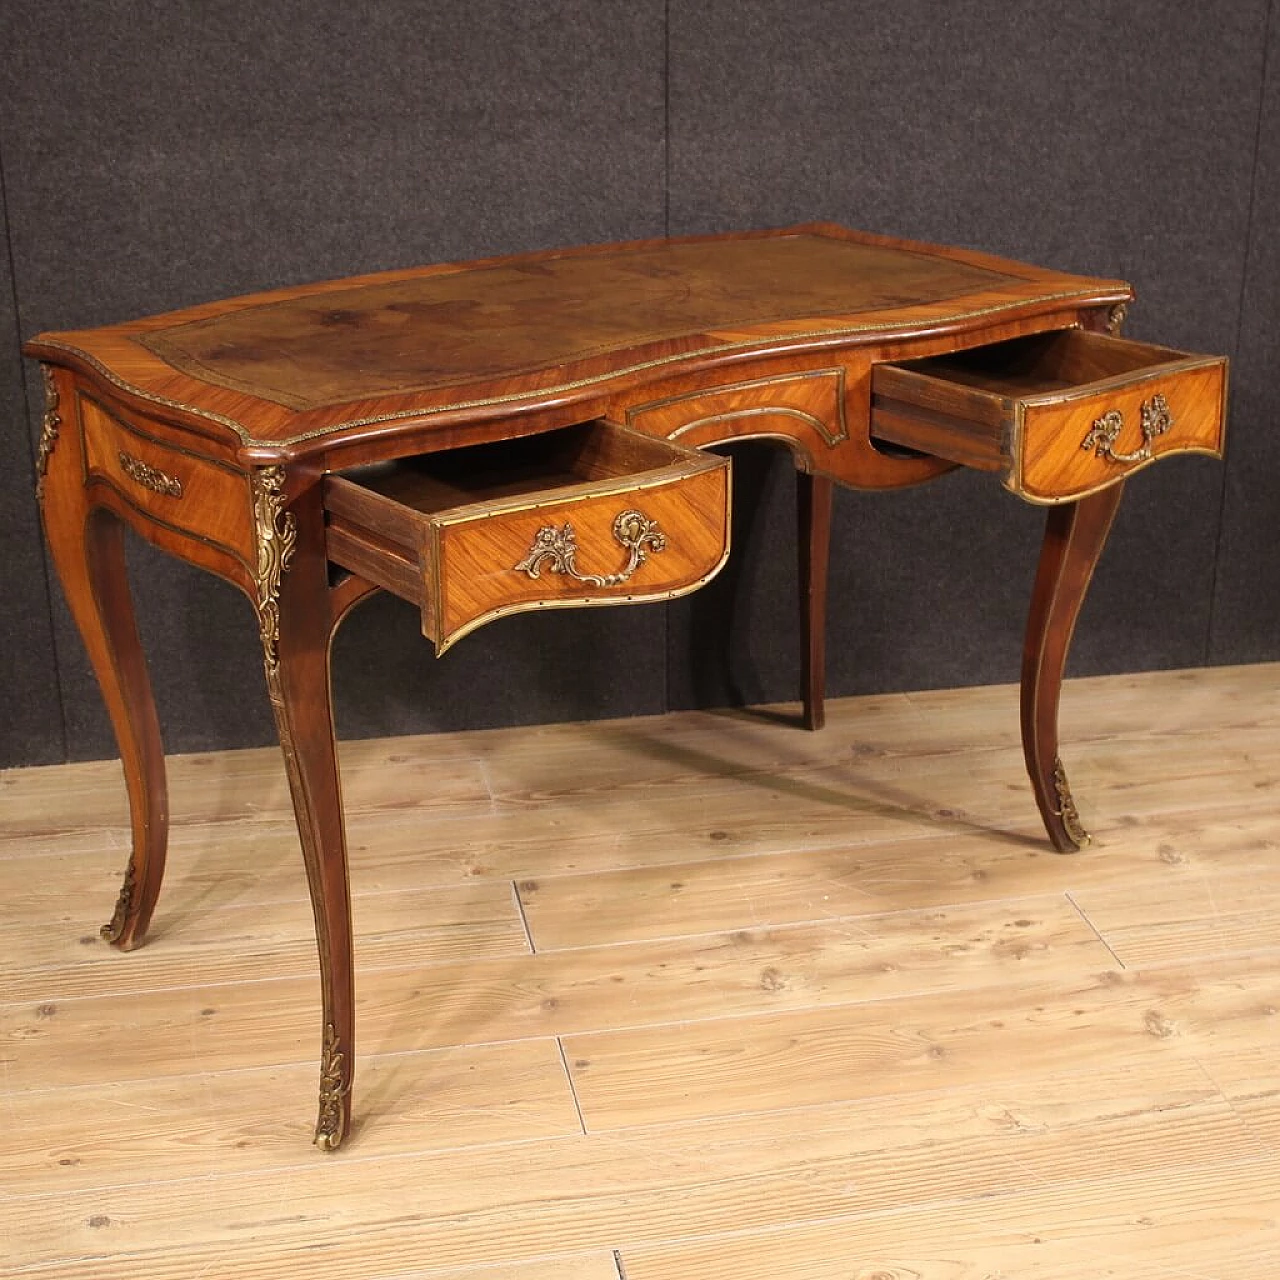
1075	534
87	548
296	624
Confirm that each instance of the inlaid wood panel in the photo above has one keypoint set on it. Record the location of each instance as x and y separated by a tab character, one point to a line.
168	485
480	560
1057	458
591	515
1058	415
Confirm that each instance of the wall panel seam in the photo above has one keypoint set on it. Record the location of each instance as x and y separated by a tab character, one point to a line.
1246	256
25	395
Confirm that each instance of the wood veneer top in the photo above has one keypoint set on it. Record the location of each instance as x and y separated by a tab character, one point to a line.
311	362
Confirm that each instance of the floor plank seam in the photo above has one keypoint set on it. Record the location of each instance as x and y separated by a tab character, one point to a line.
1083	1053
573	1092
605	948
1096	931
1017	1234
809	922
288	1064
524	918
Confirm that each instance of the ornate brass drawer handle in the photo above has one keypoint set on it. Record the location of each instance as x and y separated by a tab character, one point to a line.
1156	420
149	477
557	549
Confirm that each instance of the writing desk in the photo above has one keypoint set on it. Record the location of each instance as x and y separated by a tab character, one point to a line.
526	432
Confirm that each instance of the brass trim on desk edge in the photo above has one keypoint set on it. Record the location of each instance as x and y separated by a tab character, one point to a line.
250	441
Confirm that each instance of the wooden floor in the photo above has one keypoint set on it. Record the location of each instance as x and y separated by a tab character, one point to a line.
669	999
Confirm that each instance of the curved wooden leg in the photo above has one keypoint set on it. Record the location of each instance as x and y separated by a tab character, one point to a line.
813	513
296	622
87	548
1075	534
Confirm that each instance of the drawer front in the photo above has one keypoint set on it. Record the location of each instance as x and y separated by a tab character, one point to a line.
807	408
167	485
1064	449
629	543
1057	415
593	514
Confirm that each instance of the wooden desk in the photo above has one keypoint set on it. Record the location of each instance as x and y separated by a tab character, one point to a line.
525	433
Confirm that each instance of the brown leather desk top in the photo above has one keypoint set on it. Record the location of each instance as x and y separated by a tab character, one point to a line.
286	372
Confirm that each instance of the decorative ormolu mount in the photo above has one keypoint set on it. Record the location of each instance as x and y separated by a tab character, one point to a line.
149	477
124	905
1067	806
1156	420
48	429
557	549
1116	318
329	1124
277	532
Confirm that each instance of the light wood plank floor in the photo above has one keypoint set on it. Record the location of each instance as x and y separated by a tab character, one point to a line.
695	996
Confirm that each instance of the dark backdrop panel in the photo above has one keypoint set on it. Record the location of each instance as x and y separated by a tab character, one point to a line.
161	155
1106	139
1246	618
31	727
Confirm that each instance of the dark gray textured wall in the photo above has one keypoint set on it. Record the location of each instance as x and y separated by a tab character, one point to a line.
1112	139
1246	604
31	728
155	156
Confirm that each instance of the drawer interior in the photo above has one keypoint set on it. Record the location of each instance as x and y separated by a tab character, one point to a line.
585	454
1041	363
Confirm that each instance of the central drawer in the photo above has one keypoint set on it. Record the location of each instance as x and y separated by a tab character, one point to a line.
593	514
1058	414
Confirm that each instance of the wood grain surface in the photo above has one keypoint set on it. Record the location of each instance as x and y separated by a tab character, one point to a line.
546	338
699	995
1029	409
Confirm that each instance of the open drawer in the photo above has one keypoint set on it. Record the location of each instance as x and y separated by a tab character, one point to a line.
587	515
1057	414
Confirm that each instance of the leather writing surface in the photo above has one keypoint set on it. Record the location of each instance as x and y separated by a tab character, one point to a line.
450	328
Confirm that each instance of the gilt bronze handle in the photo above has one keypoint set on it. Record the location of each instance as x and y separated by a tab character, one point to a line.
149	477
556	549
1156	420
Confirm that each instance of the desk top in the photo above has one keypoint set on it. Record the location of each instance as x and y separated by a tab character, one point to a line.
300	366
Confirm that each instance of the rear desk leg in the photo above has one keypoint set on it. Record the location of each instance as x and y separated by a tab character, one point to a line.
813	517
296	624
1075	534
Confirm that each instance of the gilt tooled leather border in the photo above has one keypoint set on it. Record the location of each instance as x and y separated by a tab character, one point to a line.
249	440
